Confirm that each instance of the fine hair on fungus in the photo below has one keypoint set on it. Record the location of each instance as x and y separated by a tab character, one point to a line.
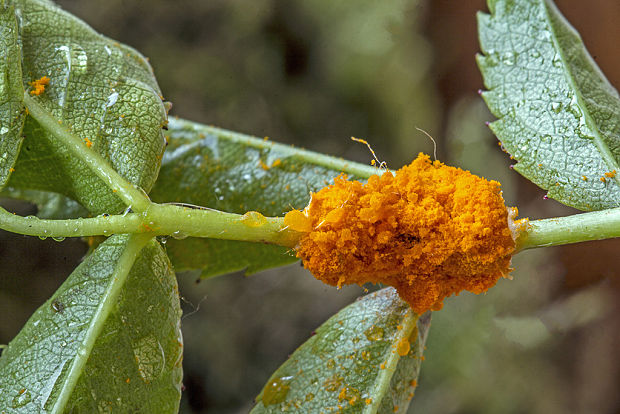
429	230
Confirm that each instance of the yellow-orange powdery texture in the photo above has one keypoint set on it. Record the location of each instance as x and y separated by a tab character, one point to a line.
430	231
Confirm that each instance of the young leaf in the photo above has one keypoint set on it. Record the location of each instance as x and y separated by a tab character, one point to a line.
12	111
108	340
558	115
365	359
232	172
104	92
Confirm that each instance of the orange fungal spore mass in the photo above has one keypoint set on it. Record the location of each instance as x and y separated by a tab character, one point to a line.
429	230
38	86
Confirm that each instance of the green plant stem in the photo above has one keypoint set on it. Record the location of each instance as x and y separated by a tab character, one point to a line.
130	194
182	221
160	220
81	227
179	222
596	225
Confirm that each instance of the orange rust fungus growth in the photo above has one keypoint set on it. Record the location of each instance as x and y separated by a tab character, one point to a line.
298	221
277	162
602	179
429	230
403	347
38	86
88	142
610	174
11	169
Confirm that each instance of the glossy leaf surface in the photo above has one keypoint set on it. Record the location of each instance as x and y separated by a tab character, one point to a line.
108	340
558	115
12	111
104	92
364	359
237	173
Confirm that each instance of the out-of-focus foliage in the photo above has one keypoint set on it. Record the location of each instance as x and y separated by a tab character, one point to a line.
307	72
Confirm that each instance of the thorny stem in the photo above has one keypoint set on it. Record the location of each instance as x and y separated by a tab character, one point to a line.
127	192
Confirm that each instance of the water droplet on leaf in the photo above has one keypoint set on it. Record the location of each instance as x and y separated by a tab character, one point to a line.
374	333
179	235
276	390
150	358
57	306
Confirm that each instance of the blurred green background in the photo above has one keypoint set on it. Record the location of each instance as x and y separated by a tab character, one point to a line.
313	73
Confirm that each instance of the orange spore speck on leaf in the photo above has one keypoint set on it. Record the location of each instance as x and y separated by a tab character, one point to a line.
38	86
263	165
276	163
429	230
88	142
610	174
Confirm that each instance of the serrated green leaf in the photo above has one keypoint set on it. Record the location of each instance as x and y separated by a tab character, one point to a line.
108	340
365	359
558	115
102	91
232	172
12	111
